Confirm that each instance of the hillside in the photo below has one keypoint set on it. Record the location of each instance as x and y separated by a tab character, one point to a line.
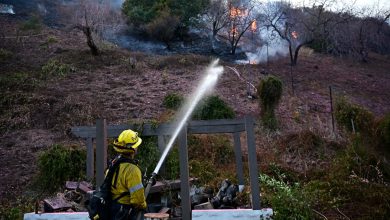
50	82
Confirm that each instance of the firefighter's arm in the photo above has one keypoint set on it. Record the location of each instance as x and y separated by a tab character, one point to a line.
136	189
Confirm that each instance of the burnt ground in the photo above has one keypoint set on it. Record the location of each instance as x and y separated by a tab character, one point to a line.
124	86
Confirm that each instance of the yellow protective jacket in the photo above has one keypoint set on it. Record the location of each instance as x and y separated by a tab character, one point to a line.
129	179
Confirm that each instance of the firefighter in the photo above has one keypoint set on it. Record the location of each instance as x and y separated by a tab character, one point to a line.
127	179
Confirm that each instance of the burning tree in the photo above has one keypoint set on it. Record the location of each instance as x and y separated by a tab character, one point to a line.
309	26
241	18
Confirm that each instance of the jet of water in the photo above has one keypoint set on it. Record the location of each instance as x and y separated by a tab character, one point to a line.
205	86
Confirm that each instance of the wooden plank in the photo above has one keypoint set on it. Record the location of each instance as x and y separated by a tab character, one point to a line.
216	122
147	129
101	150
215	129
184	175
252	160
90	159
238	156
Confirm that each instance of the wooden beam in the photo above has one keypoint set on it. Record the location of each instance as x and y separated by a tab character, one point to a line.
238	156
90	159
101	150
184	175
252	160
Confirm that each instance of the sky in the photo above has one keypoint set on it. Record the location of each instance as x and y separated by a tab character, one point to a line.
358	4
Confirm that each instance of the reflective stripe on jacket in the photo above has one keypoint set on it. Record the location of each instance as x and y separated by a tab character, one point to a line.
129	179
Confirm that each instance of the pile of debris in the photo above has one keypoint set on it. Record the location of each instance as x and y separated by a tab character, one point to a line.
74	198
71	200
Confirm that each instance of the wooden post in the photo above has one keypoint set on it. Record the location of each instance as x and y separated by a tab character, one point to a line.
238	155
252	160
331	106
184	175
161	146
90	158
101	150
292	78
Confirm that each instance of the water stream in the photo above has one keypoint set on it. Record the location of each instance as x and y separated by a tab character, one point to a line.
205	86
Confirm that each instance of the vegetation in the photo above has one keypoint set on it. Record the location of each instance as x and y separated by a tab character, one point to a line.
270	91
33	24
173	101
383	132
353	117
163	27
143	12
213	107
54	68
5	54
59	164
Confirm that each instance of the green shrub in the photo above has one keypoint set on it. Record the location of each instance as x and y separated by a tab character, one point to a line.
54	68
204	170
34	23
270	91
346	112
287	201
5	54
148	154
356	178
58	164
50	40
213	107
173	101
18	81
383	131
172	165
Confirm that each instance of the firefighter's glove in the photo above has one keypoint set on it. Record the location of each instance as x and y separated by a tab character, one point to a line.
152	180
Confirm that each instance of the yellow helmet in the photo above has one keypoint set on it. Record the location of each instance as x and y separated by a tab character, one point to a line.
127	142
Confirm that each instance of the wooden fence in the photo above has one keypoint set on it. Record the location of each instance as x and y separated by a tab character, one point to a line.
101	132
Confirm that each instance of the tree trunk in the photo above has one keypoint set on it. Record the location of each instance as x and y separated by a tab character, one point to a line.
94	49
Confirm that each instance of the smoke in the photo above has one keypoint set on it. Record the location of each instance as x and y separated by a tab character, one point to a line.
266	44
273	48
117	4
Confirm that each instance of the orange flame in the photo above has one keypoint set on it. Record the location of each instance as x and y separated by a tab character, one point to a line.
234	31
236	12
254	26
294	34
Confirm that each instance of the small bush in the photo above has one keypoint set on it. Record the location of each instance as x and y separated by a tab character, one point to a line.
383	131
34	23
163	27
54	68
172	166
213	107
173	101
18	81
5	54
58	164
148	154
346	112
287	201
50	40
270	91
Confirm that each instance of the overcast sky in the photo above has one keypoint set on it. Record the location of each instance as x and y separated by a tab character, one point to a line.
381	4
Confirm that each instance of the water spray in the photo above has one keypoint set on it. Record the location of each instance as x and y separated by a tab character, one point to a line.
205	86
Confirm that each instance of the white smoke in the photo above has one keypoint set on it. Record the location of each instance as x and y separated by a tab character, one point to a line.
273	48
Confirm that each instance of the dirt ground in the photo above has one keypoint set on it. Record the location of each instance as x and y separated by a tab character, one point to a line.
108	86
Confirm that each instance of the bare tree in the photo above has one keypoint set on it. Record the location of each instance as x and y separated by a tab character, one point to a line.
93	18
217	15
